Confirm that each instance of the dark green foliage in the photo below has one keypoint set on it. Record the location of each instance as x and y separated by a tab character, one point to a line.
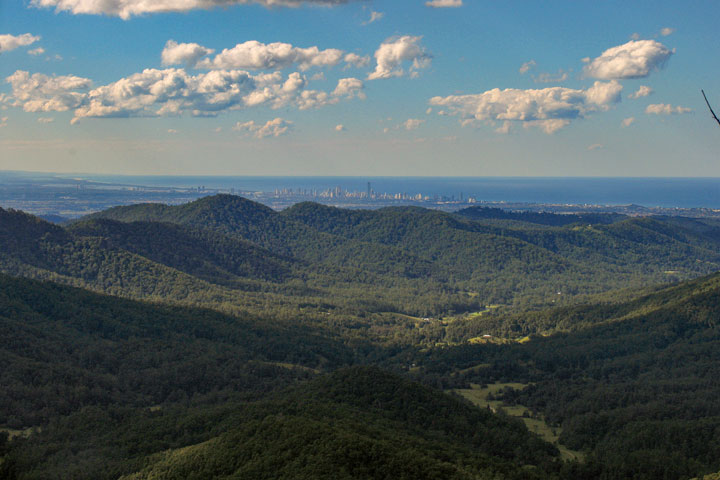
634	384
65	348
540	218
359	423
520	263
201	252
310	289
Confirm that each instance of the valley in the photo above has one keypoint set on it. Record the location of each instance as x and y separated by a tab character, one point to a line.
206	339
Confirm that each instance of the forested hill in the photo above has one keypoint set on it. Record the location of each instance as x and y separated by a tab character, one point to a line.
684	298
357	423
541	218
66	348
634	385
519	262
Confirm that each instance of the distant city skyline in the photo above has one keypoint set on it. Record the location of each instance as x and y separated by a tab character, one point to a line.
359	88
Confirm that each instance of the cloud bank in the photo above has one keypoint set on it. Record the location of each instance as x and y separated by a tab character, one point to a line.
155	92
254	55
129	8
549	109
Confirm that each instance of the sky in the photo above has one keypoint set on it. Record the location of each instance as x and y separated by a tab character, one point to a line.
366	88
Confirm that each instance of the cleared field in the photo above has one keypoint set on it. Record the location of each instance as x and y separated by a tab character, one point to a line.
480	396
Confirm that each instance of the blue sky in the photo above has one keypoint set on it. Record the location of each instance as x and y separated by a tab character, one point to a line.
109	87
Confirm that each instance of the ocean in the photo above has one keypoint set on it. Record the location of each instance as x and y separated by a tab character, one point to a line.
648	192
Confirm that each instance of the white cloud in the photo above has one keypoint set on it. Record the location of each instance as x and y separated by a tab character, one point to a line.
349	88
128	8
412	123
374	17
642	91
255	55
635	59
667	31
526	67
603	94
167	92
172	131
43	93
11	42
183	53
318	77
273	128
549	109
560	76
595	146
355	60
340	128
444	3
666	109
45	120
627	122
3	122
396	50
36	51
635	36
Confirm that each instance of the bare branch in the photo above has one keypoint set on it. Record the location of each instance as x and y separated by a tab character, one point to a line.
711	110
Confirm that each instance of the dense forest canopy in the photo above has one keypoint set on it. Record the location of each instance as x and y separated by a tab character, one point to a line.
220	338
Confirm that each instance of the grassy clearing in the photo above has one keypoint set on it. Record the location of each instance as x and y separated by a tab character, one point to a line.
18	433
480	397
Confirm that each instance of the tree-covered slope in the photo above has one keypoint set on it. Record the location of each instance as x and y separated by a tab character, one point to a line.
65	348
204	253
357	423
633	385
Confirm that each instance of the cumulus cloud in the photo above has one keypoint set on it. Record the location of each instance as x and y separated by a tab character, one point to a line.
396	50
254	55
3	122
183	53
42	93
11	42
273	128
444	3
166	92
526	67
595	146
45	120
412	123
666	109
627	122
349	88
128	8
36	51
635	59
355	60
340	128
643	91
667	31
549	109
